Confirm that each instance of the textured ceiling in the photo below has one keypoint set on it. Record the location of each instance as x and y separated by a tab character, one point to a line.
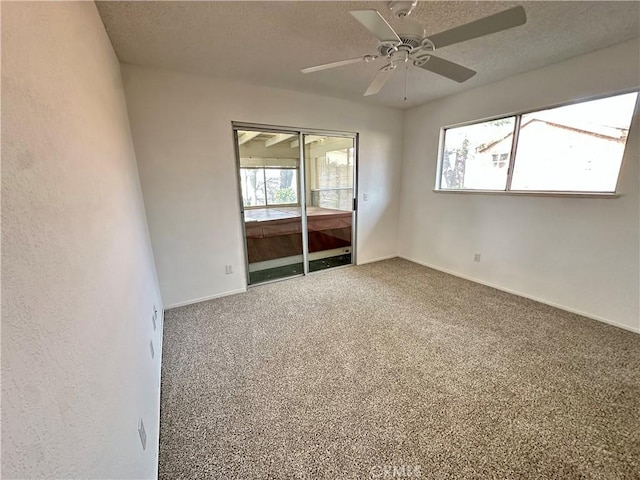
267	43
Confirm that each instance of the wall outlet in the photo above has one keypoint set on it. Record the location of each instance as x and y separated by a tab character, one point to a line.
476	257
365	197
143	435
228	269
153	353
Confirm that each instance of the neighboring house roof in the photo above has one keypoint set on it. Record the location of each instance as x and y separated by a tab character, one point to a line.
613	134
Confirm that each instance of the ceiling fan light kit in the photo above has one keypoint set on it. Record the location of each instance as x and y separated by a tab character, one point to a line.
411	44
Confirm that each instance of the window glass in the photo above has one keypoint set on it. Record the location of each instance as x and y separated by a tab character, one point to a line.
574	148
269	186
476	157
252	180
282	186
333	179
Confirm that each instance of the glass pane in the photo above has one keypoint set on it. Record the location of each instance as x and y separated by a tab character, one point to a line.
269	179
333	178
329	170
282	186
574	148
476	157
252	183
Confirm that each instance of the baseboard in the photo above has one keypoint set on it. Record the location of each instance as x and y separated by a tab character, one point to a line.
205	299
243	290
524	295
379	259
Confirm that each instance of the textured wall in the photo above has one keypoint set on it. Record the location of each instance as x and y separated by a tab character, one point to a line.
78	280
181	126
578	253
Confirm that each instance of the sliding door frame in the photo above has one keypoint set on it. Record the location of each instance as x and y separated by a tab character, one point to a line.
303	205
300	133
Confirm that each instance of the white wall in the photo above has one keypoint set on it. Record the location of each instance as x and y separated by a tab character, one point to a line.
182	132
78	281
578	253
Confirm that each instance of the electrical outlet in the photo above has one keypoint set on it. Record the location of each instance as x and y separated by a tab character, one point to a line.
365	197
153	353
143	434
228	269
476	257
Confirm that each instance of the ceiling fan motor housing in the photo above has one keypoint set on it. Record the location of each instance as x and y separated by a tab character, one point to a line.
413	44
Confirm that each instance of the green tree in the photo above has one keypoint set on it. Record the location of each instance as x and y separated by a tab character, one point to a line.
286	195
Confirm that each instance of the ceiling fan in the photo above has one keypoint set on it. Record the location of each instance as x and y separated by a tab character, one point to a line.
412	45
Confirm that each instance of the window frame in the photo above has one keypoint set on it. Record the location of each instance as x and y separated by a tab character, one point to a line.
514	146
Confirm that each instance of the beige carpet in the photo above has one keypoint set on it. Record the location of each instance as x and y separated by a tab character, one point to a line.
350	373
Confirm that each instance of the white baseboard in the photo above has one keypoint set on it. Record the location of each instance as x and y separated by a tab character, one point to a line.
204	299
521	294
379	259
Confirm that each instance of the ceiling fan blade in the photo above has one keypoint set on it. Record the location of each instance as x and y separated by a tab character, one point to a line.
325	66
447	69
485	26
381	78
376	24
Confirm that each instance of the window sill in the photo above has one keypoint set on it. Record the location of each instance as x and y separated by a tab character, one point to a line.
534	193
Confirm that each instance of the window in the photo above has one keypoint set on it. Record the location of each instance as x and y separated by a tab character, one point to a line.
332	179
500	159
472	155
574	148
267	186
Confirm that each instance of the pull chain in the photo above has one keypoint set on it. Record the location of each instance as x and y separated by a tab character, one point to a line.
406	74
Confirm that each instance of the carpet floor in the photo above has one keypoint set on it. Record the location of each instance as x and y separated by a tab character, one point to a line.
394	370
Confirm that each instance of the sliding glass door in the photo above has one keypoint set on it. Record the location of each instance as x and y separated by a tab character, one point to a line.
297	200
329	164
270	184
